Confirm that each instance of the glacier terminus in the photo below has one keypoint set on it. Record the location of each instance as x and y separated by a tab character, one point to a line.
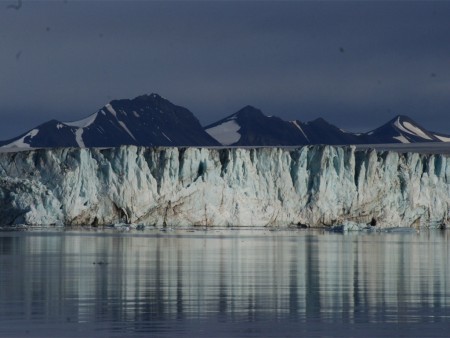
311	185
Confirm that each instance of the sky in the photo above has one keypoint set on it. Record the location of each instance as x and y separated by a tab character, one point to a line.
355	63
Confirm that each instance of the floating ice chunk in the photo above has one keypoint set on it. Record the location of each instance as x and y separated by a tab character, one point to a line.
401	230
350	226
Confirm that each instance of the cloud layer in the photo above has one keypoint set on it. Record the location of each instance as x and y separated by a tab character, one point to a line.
354	63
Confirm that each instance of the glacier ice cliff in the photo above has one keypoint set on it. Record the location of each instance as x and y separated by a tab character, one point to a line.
312	185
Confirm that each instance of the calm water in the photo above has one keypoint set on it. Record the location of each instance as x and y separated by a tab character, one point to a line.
247	283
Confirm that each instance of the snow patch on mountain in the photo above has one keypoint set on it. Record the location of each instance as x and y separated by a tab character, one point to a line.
83	123
80	125
416	131
126	129
226	133
20	143
442	138
402	139
79	137
111	110
167	137
300	128
410	129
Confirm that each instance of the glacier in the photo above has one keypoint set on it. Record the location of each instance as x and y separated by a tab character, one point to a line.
312	185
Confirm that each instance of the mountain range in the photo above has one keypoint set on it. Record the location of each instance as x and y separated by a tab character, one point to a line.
151	120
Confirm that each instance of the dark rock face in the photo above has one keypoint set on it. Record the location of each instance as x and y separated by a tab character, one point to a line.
401	129
256	129
152	121
147	120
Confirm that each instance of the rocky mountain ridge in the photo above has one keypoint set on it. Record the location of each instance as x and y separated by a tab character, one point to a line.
152	121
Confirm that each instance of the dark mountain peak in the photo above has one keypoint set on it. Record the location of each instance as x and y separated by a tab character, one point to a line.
153	97
249	109
250	112
151	120
146	99
401	129
321	122
150	106
401	118
146	120
320	131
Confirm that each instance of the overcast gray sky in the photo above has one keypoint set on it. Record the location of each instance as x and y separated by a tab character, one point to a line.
357	64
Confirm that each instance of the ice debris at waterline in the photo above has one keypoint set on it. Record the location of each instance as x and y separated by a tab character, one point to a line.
312	185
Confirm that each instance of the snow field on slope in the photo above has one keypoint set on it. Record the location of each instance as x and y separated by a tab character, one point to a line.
226	133
410	129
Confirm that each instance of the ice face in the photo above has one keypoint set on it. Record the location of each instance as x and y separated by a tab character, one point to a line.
313	185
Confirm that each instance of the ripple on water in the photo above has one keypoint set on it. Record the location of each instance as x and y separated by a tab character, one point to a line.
246	283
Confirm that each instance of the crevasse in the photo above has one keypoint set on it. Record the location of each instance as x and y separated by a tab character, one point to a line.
313	185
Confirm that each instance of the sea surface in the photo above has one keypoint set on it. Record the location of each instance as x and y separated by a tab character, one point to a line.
223	283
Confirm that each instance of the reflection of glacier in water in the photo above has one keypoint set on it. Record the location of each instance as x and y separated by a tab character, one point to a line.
240	283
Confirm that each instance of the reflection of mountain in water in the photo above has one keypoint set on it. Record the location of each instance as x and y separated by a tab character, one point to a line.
224	282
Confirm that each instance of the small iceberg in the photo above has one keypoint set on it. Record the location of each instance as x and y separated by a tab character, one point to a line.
351	226
401	230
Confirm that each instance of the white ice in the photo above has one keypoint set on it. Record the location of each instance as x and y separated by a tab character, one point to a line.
314	185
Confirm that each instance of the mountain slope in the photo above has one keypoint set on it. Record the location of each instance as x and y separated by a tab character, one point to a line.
319	131
150	120
250	127
403	129
147	120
